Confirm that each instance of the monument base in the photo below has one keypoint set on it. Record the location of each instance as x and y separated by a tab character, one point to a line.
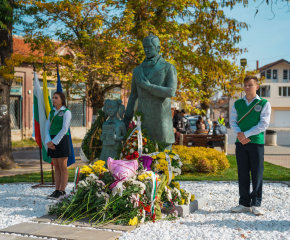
183	210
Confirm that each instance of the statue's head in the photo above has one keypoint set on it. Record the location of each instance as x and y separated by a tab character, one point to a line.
112	107
151	45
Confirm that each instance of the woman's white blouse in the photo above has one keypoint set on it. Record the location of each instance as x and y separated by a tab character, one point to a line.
62	132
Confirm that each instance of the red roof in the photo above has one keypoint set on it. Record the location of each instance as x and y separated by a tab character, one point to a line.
273	64
20	47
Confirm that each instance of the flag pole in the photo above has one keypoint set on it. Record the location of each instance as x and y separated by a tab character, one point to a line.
42	184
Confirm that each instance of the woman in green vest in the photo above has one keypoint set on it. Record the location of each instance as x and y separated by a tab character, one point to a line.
250	117
58	142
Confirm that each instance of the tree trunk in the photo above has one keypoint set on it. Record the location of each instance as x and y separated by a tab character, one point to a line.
6	158
6	49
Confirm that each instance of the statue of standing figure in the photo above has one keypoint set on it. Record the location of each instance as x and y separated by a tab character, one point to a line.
113	130
154	82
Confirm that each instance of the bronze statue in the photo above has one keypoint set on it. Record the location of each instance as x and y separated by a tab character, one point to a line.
113	130
154	82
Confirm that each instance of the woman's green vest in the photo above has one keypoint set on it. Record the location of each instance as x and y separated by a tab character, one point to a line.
252	119
57	122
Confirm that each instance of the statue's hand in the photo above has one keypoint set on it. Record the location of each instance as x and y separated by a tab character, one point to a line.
144	82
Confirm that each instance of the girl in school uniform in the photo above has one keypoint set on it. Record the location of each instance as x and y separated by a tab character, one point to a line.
58	142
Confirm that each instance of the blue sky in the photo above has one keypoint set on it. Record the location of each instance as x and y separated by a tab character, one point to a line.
266	40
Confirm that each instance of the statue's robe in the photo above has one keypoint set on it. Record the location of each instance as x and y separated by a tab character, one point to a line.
155	105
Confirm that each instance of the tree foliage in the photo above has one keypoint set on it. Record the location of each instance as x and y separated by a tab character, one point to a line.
105	39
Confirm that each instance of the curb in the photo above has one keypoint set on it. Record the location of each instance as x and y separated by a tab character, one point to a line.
36	147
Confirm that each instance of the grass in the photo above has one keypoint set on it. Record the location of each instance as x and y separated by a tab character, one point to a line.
35	177
271	172
31	143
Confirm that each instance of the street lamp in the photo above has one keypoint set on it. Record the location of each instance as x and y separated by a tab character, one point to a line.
243	62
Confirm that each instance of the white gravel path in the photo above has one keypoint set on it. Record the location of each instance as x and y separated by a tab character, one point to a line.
20	203
216	221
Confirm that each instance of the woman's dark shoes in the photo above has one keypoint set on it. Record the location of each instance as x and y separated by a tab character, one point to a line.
58	195
52	195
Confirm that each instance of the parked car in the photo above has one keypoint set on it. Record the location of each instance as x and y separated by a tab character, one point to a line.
193	120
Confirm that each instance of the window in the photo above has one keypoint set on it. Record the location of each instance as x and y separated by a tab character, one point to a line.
264	91
77	108
285	75
15	113
268	74
263	74
284	91
275	75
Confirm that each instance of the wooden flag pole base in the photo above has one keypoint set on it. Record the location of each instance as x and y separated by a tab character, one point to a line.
42	184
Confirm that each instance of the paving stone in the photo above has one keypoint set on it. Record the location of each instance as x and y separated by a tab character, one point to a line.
13	237
87	234
56	231
25	228
85	222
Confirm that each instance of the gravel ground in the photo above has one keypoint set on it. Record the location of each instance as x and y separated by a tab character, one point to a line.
216	221
20	203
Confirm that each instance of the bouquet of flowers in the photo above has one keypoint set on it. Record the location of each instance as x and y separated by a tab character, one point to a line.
130	149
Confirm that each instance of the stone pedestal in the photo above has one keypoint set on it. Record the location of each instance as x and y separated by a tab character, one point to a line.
183	210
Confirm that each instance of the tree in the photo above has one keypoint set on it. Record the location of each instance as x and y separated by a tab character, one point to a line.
196	37
106	37
81	27
6	50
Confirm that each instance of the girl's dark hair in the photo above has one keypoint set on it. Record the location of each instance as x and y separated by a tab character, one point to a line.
62	97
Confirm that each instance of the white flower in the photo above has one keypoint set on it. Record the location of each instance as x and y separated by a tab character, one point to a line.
180	163
91	178
175	157
146	150
82	184
121	155
128	146
168	193
134	143
131	150
175	190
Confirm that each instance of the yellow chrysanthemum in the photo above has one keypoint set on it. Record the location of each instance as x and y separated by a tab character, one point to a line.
167	151
182	201
192	197
176	185
154	157
133	221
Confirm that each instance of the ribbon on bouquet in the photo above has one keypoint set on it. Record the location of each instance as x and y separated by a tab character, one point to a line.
139	135
153	194
117	180
168	161
77	175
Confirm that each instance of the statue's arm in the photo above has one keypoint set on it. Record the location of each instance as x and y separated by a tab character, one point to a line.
131	102
170	87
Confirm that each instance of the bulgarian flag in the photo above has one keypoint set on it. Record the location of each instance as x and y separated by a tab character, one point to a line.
46	97
39	119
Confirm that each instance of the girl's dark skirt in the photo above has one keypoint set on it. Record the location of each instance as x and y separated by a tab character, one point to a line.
63	149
